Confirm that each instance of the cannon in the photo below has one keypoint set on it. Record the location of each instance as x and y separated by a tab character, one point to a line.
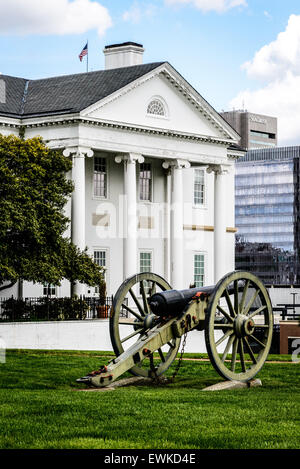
148	320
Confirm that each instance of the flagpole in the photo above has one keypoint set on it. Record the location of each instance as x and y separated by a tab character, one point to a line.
87	57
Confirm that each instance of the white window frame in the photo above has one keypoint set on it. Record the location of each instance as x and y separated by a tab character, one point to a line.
146	201
100	197
204	203
146	251
106	267
164	104
203	254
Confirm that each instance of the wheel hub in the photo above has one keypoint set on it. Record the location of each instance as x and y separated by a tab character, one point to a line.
243	325
150	321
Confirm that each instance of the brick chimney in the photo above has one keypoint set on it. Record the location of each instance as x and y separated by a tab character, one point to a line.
123	55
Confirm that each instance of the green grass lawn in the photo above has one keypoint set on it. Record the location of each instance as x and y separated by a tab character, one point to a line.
41	406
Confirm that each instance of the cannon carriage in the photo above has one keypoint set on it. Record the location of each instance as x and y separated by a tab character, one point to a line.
146	342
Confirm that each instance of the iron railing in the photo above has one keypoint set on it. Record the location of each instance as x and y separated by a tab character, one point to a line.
56	309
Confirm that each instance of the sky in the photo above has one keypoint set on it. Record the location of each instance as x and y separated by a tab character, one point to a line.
238	54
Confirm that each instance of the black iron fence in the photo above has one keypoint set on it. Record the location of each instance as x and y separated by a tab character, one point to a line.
55	309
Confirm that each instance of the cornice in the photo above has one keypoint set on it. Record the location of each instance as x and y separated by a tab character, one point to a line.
77	120
235	154
154	131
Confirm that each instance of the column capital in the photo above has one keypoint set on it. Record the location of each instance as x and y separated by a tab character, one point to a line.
79	152
129	158
176	163
218	169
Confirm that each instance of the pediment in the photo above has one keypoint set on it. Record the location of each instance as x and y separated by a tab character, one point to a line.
184	110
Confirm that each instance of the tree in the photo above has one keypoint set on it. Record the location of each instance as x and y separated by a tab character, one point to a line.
33	192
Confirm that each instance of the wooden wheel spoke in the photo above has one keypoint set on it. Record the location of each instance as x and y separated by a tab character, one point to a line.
242	355
152	366
258	341
229	304
229	343
171	345
138	305
242	303
227	316
138	331
145	302
254	296
131	323
234	352
236	297
219	325
227	334
162	357
250	351
259	310
132	312
153	288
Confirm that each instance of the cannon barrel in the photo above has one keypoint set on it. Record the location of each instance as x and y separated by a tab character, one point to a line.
173	302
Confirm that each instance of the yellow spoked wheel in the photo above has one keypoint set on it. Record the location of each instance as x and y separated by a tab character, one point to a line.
239	326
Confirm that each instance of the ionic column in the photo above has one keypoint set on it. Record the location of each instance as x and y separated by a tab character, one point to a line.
220	211
176	222
78	202
167	226
130	211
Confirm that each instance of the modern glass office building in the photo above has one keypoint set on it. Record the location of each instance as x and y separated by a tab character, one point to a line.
267	214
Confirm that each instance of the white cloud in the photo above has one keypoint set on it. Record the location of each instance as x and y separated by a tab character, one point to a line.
19	17
278	57
278	65
279	99
219	6
138	11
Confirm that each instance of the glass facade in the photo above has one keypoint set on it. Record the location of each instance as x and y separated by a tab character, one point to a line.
266	211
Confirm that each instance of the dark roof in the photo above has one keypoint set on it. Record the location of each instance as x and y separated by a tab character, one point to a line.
123	44
236	147
68	93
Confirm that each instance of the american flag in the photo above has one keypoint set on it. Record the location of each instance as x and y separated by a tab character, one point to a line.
83	52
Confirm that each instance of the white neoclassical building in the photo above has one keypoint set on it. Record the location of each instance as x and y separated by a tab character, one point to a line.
153	167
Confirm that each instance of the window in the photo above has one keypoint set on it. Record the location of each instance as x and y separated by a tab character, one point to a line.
199	187
256	133
146	266
145	181
100	177
49	289
199	270
100	258
156	107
